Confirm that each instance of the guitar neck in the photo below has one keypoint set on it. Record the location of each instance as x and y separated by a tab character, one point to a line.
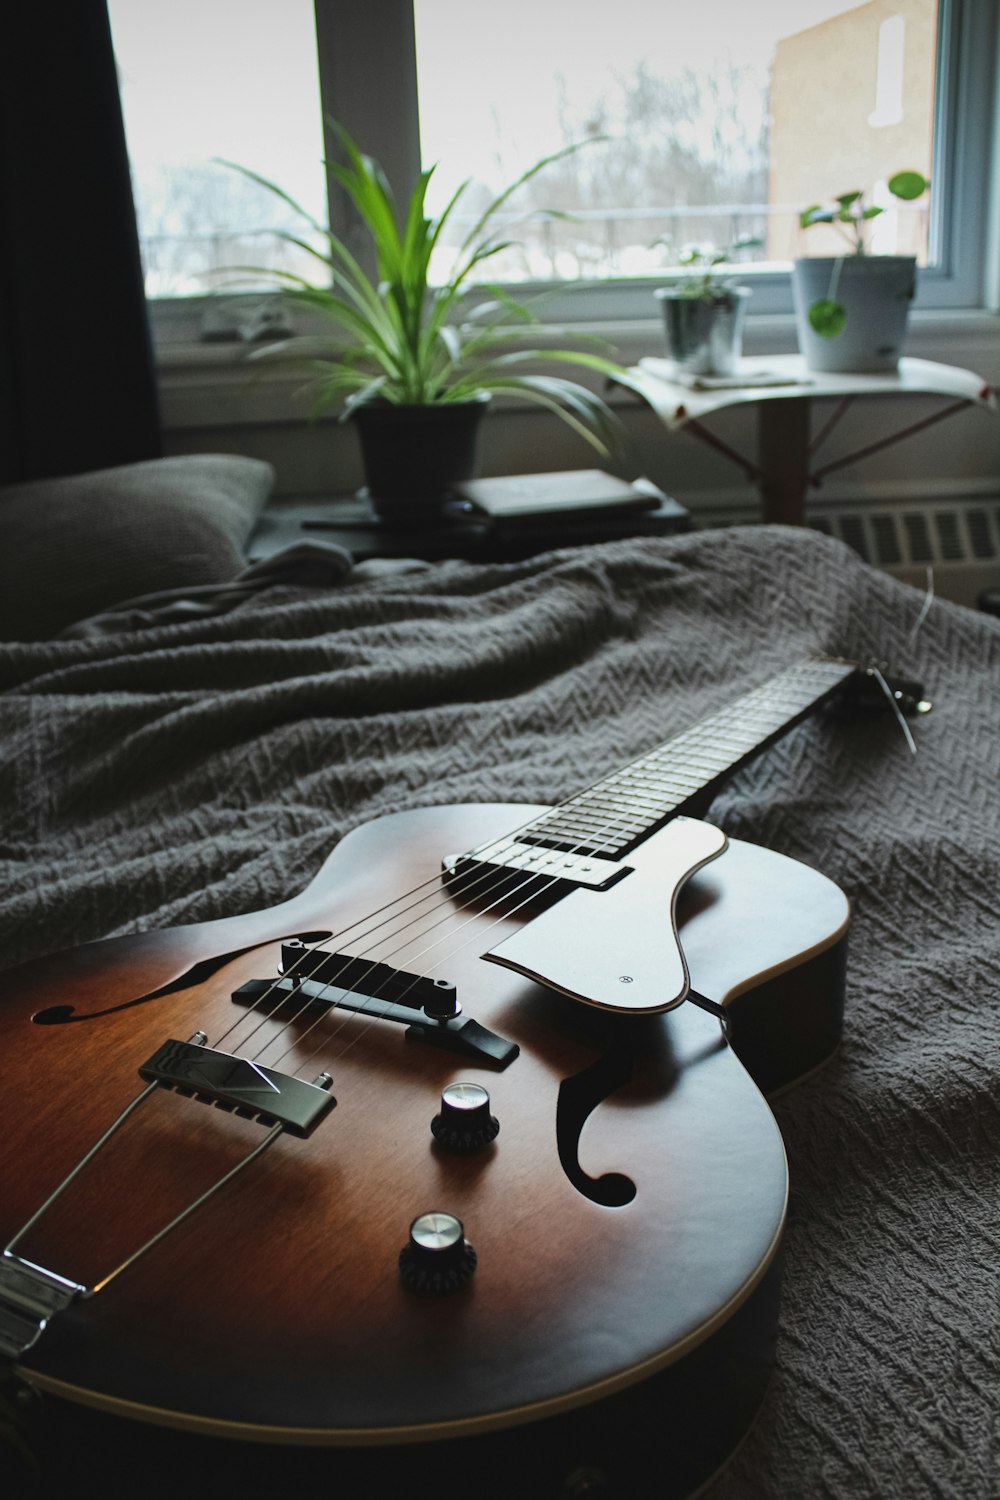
620	811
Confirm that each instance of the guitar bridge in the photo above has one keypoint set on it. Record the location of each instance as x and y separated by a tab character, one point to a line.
452	1031
241	1087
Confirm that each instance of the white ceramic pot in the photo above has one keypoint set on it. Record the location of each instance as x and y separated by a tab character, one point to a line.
875	292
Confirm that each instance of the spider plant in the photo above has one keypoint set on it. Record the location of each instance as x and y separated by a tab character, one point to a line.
403	340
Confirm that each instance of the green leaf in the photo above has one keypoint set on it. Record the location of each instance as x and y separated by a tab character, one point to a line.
872	212
579	408
908	185
366	393
827	318
815	214
846	199
272	187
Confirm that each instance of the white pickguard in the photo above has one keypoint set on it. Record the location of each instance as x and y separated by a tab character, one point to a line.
619	948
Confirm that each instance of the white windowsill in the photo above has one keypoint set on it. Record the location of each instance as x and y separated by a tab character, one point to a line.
216	385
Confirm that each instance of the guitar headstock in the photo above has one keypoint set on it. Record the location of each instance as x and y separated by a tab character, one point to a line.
874	686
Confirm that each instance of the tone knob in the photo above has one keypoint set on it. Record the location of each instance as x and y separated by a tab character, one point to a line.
465	1122
438	1258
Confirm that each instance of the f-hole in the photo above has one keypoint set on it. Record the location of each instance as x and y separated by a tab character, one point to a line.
579	1096
64	1015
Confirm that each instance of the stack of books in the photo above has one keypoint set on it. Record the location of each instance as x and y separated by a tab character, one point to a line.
567	508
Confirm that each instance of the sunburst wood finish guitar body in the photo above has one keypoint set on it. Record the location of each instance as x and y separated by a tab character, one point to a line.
625	1220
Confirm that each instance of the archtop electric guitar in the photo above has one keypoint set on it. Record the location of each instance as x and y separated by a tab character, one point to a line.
468	1137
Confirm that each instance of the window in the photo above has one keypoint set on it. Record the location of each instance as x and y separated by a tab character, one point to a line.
198	85
712	114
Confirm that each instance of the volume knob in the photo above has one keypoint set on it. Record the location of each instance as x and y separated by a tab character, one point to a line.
465	1123
438	1257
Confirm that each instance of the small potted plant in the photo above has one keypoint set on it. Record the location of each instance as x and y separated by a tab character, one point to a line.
414	363
852	309
703	313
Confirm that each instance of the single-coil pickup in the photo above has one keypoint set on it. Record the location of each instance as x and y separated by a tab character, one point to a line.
536	859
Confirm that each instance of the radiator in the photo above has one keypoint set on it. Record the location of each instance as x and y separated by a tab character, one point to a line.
958	539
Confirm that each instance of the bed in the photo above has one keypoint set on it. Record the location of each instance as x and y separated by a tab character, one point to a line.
185	772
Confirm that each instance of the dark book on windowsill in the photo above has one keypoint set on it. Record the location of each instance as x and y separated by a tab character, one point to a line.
552	499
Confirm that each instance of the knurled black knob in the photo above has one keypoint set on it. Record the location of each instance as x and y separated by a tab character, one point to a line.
465	1123
438	1258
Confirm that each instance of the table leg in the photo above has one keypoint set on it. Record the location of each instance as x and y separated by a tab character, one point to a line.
783	457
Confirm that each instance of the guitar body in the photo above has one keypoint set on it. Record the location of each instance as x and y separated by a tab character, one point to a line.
275	1314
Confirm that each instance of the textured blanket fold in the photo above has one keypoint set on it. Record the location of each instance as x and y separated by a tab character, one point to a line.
196	770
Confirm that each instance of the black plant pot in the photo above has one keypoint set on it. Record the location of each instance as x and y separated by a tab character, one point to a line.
412	453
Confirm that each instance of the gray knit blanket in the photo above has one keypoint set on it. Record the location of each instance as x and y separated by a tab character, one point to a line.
195	770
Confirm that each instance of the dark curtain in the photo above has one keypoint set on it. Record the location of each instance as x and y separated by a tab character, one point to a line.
77	384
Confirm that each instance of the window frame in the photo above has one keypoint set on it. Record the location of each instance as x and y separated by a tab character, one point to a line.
379	106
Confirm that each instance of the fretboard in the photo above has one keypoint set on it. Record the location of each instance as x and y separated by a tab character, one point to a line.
614	814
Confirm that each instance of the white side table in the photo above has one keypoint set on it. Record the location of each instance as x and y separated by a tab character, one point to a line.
783	391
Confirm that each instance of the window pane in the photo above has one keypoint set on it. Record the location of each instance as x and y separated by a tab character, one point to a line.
220	79
721	121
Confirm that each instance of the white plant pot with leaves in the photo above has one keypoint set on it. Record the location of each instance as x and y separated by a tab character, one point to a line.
852	310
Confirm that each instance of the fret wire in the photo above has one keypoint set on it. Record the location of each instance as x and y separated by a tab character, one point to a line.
726	741
656	784
679	791
590	826
634	807
674	788
707	752
746	729
679	773
649	804
619	825
649	776
656	787
670	766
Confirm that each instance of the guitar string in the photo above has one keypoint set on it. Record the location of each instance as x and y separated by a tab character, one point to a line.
763	700
692	733
771	700
925	608
493	847
592	845
432	884
697	736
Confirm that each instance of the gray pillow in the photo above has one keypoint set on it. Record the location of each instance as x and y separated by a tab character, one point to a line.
74	546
